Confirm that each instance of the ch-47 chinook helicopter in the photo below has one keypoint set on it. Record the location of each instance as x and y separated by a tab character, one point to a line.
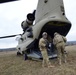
48	17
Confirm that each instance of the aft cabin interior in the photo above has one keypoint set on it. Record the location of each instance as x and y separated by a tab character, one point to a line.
51	27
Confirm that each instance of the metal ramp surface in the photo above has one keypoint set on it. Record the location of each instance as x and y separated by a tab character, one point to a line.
37	54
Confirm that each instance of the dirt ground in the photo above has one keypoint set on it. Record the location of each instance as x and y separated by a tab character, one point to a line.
10	64
7	53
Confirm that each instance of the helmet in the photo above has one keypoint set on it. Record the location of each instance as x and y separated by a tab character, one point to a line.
55	33
44	33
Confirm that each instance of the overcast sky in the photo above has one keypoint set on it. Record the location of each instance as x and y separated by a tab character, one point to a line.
13	13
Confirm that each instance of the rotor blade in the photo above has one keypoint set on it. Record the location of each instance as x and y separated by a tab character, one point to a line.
3	1
8	36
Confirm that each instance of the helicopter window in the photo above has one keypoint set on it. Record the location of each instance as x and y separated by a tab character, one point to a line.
21	39
29	29
30	35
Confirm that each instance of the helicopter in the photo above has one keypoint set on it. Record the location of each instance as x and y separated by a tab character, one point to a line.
48	17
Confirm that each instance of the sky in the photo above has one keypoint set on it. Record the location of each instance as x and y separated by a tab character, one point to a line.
13	13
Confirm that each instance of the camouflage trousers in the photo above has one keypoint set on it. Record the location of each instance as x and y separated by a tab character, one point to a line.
45	61
60	52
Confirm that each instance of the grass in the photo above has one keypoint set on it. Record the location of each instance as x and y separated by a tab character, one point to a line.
15	65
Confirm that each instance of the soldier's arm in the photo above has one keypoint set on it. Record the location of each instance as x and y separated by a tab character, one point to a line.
64	38
41	43
54	42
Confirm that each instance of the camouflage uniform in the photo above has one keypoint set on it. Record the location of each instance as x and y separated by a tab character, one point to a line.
43	49
59	42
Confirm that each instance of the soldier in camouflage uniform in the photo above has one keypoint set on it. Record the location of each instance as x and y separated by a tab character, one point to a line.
59	42
43	48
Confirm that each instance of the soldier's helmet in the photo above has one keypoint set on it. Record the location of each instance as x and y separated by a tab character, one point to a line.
44	33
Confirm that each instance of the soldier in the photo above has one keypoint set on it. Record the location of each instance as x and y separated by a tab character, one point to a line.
59	42
43	48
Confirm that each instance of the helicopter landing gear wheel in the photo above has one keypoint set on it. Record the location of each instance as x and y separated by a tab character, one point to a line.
18	53
25	56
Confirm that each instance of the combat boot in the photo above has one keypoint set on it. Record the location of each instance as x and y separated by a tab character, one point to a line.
64	59
51	66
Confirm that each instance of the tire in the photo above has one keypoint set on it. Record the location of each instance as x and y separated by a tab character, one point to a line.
25	57
18	53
